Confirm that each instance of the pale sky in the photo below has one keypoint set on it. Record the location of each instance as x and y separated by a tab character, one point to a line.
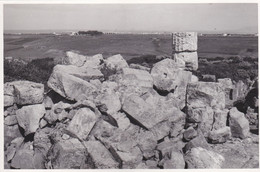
232	18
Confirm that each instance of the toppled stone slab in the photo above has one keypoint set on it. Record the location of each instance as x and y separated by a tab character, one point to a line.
188	59
167	76
70	86
219	136
142	112
135	77
124	148
202	94
116	62
82	123
102	158
23	93
238	123
69	154
28	117
185	41
202	158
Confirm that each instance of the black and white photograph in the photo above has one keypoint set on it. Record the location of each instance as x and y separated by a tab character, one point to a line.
133	85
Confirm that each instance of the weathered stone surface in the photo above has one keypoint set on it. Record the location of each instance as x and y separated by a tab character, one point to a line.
239	90
194	78
220	135
8	94
120	119
137	66
185	41
84	73
102	129
10	133
73	58
10	120
109	103
198	141
228	86
202	94
82	123
42	140
102	158
220	119
238	123
71	86
175	161
209	78
189	133
69	154
28	117
57	112
124	148
116	62
202	158
11	149
190	59
167	76
94	61
135	77
142	112
203	116
147	142
23	92
24	158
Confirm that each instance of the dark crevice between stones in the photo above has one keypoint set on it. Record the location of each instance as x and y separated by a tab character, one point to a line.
29	137
162	92
134	121
186	165
108	118
116	156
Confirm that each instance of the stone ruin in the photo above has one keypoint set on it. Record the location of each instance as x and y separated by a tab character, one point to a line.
101	113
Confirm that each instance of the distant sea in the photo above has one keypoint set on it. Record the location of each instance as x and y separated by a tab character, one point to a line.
36	31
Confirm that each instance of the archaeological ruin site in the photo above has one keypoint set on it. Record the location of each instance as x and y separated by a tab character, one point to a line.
103	113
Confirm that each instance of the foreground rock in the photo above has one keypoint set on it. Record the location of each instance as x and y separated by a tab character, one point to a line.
23	93
238	123
82	123
220	135
71	84
69	154
28	117
102	158
202	158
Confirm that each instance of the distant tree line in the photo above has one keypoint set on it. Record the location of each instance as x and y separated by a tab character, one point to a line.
90	32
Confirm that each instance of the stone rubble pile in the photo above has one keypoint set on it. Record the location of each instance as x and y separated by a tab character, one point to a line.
101	113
